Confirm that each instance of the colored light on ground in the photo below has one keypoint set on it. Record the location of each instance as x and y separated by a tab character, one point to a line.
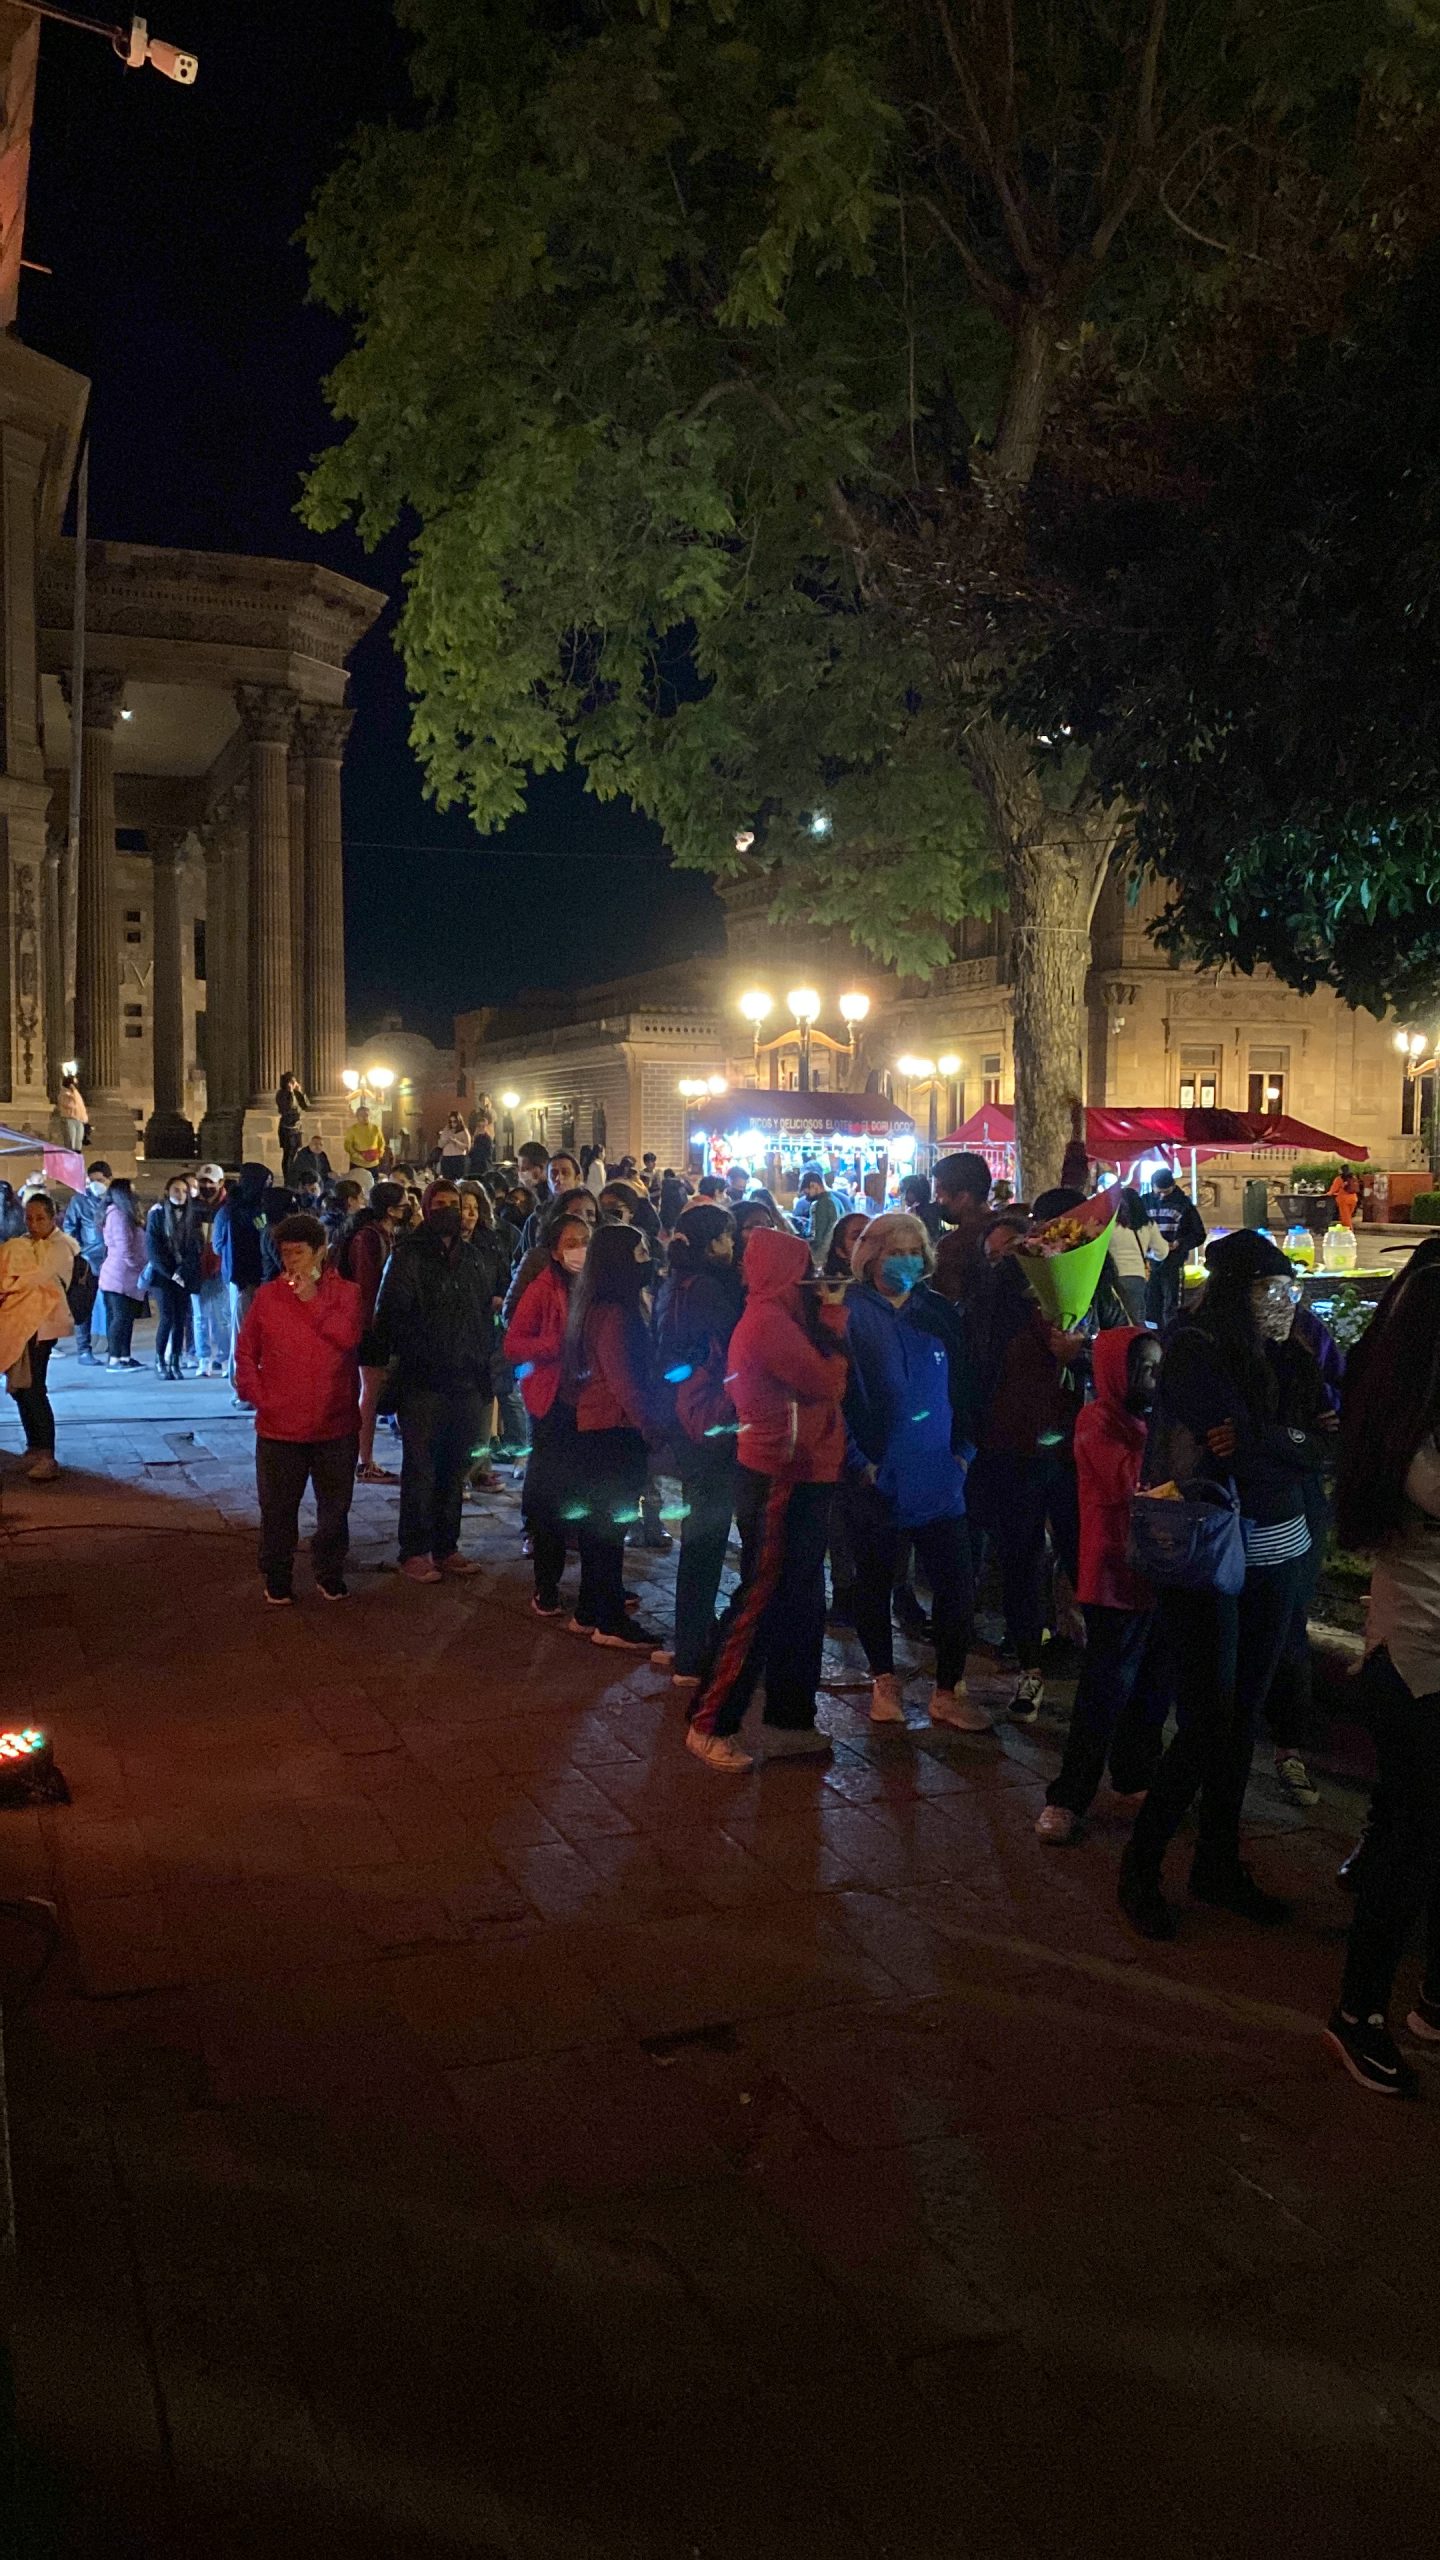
21	1745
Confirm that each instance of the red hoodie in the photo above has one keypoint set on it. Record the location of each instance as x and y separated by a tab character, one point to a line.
535	1339
786	1394
1109	1448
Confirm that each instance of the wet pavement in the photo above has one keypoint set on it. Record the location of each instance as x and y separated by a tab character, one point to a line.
454	2122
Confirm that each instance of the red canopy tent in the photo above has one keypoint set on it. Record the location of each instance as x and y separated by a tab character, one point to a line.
1116	1133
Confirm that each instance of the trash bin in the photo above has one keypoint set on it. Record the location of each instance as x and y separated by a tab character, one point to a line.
1256	1209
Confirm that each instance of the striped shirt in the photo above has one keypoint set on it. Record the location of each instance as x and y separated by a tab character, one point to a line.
1269	1542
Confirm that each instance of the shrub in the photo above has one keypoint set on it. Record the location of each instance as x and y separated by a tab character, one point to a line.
1425	1209
1314	1177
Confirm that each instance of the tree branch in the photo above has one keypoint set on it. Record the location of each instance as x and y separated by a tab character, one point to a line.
997	296
990	157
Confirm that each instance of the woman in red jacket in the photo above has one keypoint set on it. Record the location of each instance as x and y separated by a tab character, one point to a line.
297	1362
535	1349
787	1385
609	1369
1124	1694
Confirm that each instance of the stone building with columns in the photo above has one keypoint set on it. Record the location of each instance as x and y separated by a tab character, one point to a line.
198	954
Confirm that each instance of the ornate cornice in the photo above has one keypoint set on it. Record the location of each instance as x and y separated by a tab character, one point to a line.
137	591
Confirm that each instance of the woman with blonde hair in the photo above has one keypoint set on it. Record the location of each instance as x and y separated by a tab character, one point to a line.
905	1465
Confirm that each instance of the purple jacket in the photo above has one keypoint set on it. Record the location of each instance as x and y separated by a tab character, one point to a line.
125	1254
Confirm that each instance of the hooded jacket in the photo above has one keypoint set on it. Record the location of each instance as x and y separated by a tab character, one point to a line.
535	1337
897	1411
787	1394
433	1316
1109	1453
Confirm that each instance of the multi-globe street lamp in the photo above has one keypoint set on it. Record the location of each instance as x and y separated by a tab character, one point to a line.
1413	1046
804	1004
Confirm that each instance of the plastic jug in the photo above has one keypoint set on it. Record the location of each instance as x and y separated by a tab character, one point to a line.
1299	1248
1339	1250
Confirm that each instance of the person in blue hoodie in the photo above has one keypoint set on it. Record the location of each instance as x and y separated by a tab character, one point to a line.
904	1474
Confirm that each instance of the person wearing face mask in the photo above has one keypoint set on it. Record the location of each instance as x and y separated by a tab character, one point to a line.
787	1384
576	1203
361	1254
697	1310
211	1305
1239	1401
608	1372
297	1363
172	1273
1124	1692
535	1349
435	1322
904	1476
84	1221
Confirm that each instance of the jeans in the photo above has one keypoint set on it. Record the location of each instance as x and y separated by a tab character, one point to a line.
172	1329
610	1469
1121	1702
942	1549
212	1323
85	1325
1162	1290
282	1470
33	1402
1224	1654
439	1433
774	1627
707	1489
240	1304
1011	1495
1400	1872
551	1483
1133	1289
120	1315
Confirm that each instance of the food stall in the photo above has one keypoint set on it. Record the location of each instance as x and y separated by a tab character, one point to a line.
861	1139
1132	1136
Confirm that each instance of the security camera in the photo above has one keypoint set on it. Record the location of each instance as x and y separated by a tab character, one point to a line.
141	47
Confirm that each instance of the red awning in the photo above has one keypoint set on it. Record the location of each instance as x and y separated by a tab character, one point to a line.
1115	1132
837	1115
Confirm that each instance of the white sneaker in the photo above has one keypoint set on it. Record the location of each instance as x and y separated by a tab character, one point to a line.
956	1707
784	1742
719	1752
1028	1700
1295	1778
1057	1824
887	1699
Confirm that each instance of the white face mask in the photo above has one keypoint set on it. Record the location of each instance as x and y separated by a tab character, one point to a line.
574	1257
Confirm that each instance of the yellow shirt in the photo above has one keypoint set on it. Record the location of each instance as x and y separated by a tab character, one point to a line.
363	1143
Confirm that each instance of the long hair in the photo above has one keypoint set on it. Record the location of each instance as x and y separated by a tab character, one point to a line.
1389	1405
1225	1313
696	1229
614	1276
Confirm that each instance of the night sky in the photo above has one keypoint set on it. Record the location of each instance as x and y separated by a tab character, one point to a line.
169	217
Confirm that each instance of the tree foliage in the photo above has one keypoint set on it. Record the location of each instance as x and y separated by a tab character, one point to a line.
1252	660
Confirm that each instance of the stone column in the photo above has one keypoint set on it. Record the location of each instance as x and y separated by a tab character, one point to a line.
97	962
267	713
299	1003
168	1131
52	939
325	731
226	855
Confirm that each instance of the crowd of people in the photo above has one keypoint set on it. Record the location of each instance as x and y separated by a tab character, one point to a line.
872	1398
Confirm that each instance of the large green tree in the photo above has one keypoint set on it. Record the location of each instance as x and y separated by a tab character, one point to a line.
712	352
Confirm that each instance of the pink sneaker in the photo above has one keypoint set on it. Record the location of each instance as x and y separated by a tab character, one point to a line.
420	1569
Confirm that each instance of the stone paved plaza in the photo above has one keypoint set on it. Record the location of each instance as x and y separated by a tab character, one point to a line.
455	2123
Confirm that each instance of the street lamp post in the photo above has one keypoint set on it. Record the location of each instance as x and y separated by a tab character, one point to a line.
757	1007
1423	1071
804	1004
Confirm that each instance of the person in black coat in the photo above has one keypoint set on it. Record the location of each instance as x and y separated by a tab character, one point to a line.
435	1320
699	1303
1240	1403
174	1244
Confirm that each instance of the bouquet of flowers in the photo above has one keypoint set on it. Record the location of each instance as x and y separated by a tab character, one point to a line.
1063	1261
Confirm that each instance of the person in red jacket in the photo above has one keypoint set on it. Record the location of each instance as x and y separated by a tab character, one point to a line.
787	1391
609	1370
1123	1697
297	1362
535	1349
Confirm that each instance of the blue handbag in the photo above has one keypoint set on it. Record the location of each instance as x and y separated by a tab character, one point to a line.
1195	1544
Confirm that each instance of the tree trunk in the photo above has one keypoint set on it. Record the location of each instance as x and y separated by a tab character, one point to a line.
1054	861
1052	887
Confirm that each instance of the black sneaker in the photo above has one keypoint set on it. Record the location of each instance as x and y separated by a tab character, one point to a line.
335	1589
278	1593
1235	1889
1142	1901
631	1638
87	1360
547	1608
1424	2018
1371	2055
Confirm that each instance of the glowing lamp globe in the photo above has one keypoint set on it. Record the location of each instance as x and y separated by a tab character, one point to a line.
755	1005
854	1007
804	1003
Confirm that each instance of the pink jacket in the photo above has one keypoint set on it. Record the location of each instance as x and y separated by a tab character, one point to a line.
124	1254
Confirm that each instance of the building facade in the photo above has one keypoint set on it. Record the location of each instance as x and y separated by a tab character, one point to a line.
610	1059
183	941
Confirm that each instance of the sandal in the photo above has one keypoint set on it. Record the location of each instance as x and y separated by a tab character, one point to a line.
375	1475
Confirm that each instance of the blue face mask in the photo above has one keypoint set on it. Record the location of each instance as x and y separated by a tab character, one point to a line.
902	1271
